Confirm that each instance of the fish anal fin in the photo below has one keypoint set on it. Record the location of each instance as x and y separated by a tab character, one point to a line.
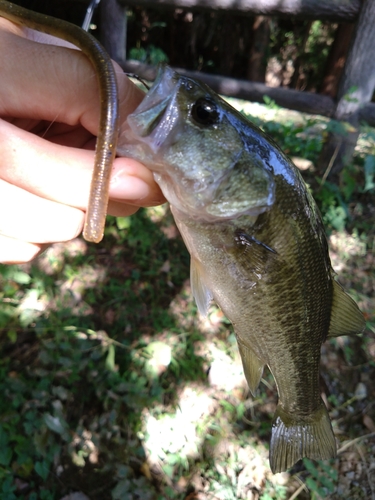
201	292
346	318
295	437
252	367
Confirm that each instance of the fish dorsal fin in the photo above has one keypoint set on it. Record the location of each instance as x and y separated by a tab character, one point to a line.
252	367
201	292
346	318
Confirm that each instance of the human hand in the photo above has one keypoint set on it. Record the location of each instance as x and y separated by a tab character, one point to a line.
49	118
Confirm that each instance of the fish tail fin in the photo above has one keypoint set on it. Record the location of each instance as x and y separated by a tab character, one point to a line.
295	437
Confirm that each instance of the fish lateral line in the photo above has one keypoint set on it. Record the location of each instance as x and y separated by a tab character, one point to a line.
243	238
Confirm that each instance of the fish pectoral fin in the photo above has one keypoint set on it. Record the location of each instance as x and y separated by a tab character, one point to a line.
243	238
346	318
201	292
253	255
252	367
294	437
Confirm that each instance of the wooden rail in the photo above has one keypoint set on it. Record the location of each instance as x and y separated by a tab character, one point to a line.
328	10
305	102
357	83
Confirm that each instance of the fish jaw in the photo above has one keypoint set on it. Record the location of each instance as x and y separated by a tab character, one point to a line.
158	106
164	134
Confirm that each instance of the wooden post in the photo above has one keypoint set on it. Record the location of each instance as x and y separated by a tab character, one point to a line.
257	64
336	59
355	91
113	29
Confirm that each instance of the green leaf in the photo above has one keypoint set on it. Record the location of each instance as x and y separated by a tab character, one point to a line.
331	471
14	274
310	466
315	488
168	470
12	335
369	172
7	488
110	360
21	278
123	222
348	96
42	468
138	53
270	102
227	406
121	488
5	456
321	477
55	424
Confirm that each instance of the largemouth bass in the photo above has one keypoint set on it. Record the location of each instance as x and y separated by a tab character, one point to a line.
257	247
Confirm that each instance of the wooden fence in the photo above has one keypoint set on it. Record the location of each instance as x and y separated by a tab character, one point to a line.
357	84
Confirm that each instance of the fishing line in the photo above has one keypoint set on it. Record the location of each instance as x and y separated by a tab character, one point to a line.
133	75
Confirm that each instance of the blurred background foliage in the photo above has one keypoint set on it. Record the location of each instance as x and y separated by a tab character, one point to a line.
300	54
112	386
222	43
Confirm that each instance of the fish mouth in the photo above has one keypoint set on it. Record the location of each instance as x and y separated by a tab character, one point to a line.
145	122
149	114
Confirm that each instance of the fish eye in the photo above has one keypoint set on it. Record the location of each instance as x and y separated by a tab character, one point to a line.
204	112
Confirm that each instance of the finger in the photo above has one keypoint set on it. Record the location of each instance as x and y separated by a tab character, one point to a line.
36	36
47	82
30	218
43	168
14	251
63	174
132	183
121	209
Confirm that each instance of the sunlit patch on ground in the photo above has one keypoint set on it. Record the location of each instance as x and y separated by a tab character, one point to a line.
343	246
